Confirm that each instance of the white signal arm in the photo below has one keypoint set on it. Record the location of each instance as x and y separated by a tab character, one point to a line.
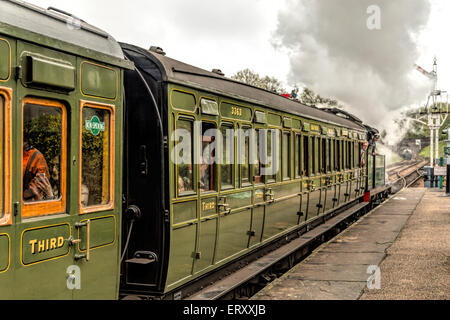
432	75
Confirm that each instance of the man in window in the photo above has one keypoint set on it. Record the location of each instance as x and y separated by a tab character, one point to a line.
365	145
373	143
204	175
36	186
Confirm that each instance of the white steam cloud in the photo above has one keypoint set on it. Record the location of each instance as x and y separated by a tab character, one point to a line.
333	52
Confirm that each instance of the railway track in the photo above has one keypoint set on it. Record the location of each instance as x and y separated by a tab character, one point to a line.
255	275
405	175
395	166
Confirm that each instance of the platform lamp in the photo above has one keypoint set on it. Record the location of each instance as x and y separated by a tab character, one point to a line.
447	155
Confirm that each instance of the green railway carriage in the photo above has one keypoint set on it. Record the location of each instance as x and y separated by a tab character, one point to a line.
60	87
206	223
92	204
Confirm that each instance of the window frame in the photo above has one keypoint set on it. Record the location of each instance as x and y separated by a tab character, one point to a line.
49	207
242	128
269	179
306	156
111	108
289	152
254	149
323	156
179	195
330	155
6	93
297	155
215	167
339	155
315	150
225	187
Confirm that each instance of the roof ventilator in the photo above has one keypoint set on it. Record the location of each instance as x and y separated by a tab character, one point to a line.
157	50
219	72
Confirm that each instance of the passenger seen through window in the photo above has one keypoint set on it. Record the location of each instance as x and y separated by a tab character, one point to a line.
185	173
207	163
42	131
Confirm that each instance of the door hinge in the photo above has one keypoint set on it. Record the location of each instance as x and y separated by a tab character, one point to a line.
251	233
16	209
18	72
196	255
166	215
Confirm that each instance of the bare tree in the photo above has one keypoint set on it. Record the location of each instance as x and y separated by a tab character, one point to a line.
309	97
252	78
272	84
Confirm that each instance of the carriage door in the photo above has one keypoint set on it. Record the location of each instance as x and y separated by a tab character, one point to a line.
44	227
95	236
41	174
6	223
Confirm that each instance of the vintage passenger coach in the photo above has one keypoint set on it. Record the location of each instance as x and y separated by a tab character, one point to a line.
56	80
92	205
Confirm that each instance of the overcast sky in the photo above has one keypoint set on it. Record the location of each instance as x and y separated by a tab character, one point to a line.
233	34
228	34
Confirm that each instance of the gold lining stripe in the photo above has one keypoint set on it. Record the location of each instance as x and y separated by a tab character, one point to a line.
49	259
9	252
184	110
6	93
10	60
101	66
103	245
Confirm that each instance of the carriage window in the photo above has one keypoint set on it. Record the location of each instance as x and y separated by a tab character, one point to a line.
359	155
352	158
324	156
227	157
244	153
269	160
297	155
335	148
185	183
351	152
315	153
330	162
44	157
349	155
286	156
207	158
256	156
338	155
2	156
306	161
273	150
96	156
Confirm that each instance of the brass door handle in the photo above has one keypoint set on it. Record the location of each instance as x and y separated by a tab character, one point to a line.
225	208
73	241
269	196
224	205
87	255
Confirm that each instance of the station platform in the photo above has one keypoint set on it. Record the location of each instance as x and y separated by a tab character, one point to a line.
406	241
